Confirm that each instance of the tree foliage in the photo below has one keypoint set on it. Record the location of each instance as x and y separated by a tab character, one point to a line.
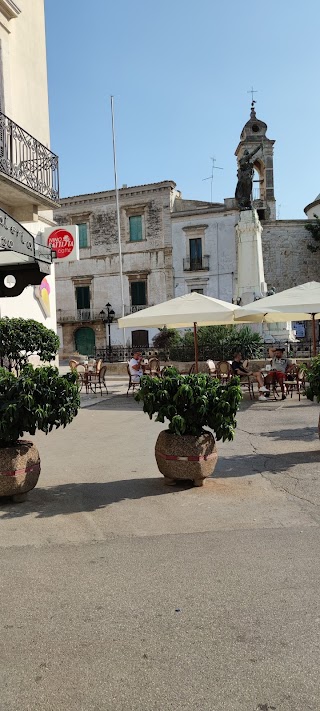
191	402
166	338
312	374
314	229
21	338
39	398
220	342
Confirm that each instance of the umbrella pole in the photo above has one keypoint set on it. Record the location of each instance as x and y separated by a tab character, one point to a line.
196	354
314	338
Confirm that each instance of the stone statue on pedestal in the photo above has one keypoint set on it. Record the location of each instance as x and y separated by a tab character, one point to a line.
245	176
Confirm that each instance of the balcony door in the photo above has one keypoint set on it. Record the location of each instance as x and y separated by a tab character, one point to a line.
195	249
138	295
83	302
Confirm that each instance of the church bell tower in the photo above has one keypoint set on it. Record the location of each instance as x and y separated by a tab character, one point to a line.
253	134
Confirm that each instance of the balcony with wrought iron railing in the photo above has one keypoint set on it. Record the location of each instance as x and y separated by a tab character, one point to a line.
28	165
78	315
133	309
196	265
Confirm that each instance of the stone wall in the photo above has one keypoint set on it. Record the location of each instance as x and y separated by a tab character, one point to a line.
287	261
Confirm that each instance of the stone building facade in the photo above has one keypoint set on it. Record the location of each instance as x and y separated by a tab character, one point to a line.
84	287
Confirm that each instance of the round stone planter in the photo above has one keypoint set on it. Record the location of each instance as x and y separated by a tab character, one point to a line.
19	469
186	456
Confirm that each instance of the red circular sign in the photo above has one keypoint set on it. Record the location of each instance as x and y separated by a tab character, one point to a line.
61	242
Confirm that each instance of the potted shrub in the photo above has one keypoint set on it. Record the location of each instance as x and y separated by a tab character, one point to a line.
36	399
312	377
186	450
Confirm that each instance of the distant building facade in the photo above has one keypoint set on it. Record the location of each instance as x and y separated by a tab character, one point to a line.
84	287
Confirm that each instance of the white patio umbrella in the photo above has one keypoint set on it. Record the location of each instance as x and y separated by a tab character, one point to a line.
301	303
182	312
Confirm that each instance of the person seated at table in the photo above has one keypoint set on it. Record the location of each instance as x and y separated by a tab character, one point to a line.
136	367
279	365
239	369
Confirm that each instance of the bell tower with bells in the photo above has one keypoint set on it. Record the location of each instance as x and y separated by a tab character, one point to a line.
253	134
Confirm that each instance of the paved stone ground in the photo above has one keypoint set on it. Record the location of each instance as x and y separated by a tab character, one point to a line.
118	593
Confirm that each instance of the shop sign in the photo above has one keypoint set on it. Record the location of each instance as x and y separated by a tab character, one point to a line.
14	237
63	241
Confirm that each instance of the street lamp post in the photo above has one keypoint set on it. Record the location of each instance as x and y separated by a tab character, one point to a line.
108	319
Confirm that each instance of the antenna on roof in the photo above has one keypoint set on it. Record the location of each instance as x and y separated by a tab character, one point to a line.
214	167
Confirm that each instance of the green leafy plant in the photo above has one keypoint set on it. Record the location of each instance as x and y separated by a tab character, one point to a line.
312	375
38	399
191	403
165	338
218	343
20	338
314	229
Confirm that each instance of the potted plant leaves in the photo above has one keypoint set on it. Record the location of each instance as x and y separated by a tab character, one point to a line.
186	450
31	399
312	378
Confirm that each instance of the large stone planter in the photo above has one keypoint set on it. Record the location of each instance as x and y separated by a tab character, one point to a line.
19	469
186	456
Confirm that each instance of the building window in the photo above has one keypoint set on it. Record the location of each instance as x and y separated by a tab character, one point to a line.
195	250
138	293
199	291
83	235
135	228
83	297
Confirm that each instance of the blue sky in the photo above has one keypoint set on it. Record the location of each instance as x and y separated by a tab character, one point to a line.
180	71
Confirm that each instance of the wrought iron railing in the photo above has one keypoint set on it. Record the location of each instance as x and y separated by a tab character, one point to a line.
78	315
118	354
196	265
185	354
132	309
27	160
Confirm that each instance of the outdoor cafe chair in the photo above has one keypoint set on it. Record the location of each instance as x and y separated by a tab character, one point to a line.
294	380
224	370
73	364
82	373
154	366
131	383
97	380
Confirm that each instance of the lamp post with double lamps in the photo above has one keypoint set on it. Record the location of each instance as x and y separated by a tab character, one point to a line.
107	318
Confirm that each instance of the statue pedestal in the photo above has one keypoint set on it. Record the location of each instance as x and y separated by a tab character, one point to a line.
250	274
250	283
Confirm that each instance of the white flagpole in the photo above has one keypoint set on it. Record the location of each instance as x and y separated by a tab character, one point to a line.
118	213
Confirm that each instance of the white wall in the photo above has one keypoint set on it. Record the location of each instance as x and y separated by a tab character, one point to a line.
24	64
218	242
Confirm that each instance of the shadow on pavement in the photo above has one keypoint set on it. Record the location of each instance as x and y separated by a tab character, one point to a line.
71	498
74	498
296	433
246	465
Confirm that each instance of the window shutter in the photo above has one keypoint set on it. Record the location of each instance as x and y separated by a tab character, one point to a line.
83	235
135	224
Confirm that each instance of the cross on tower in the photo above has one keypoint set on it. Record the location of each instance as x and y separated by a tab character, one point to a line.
252	91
